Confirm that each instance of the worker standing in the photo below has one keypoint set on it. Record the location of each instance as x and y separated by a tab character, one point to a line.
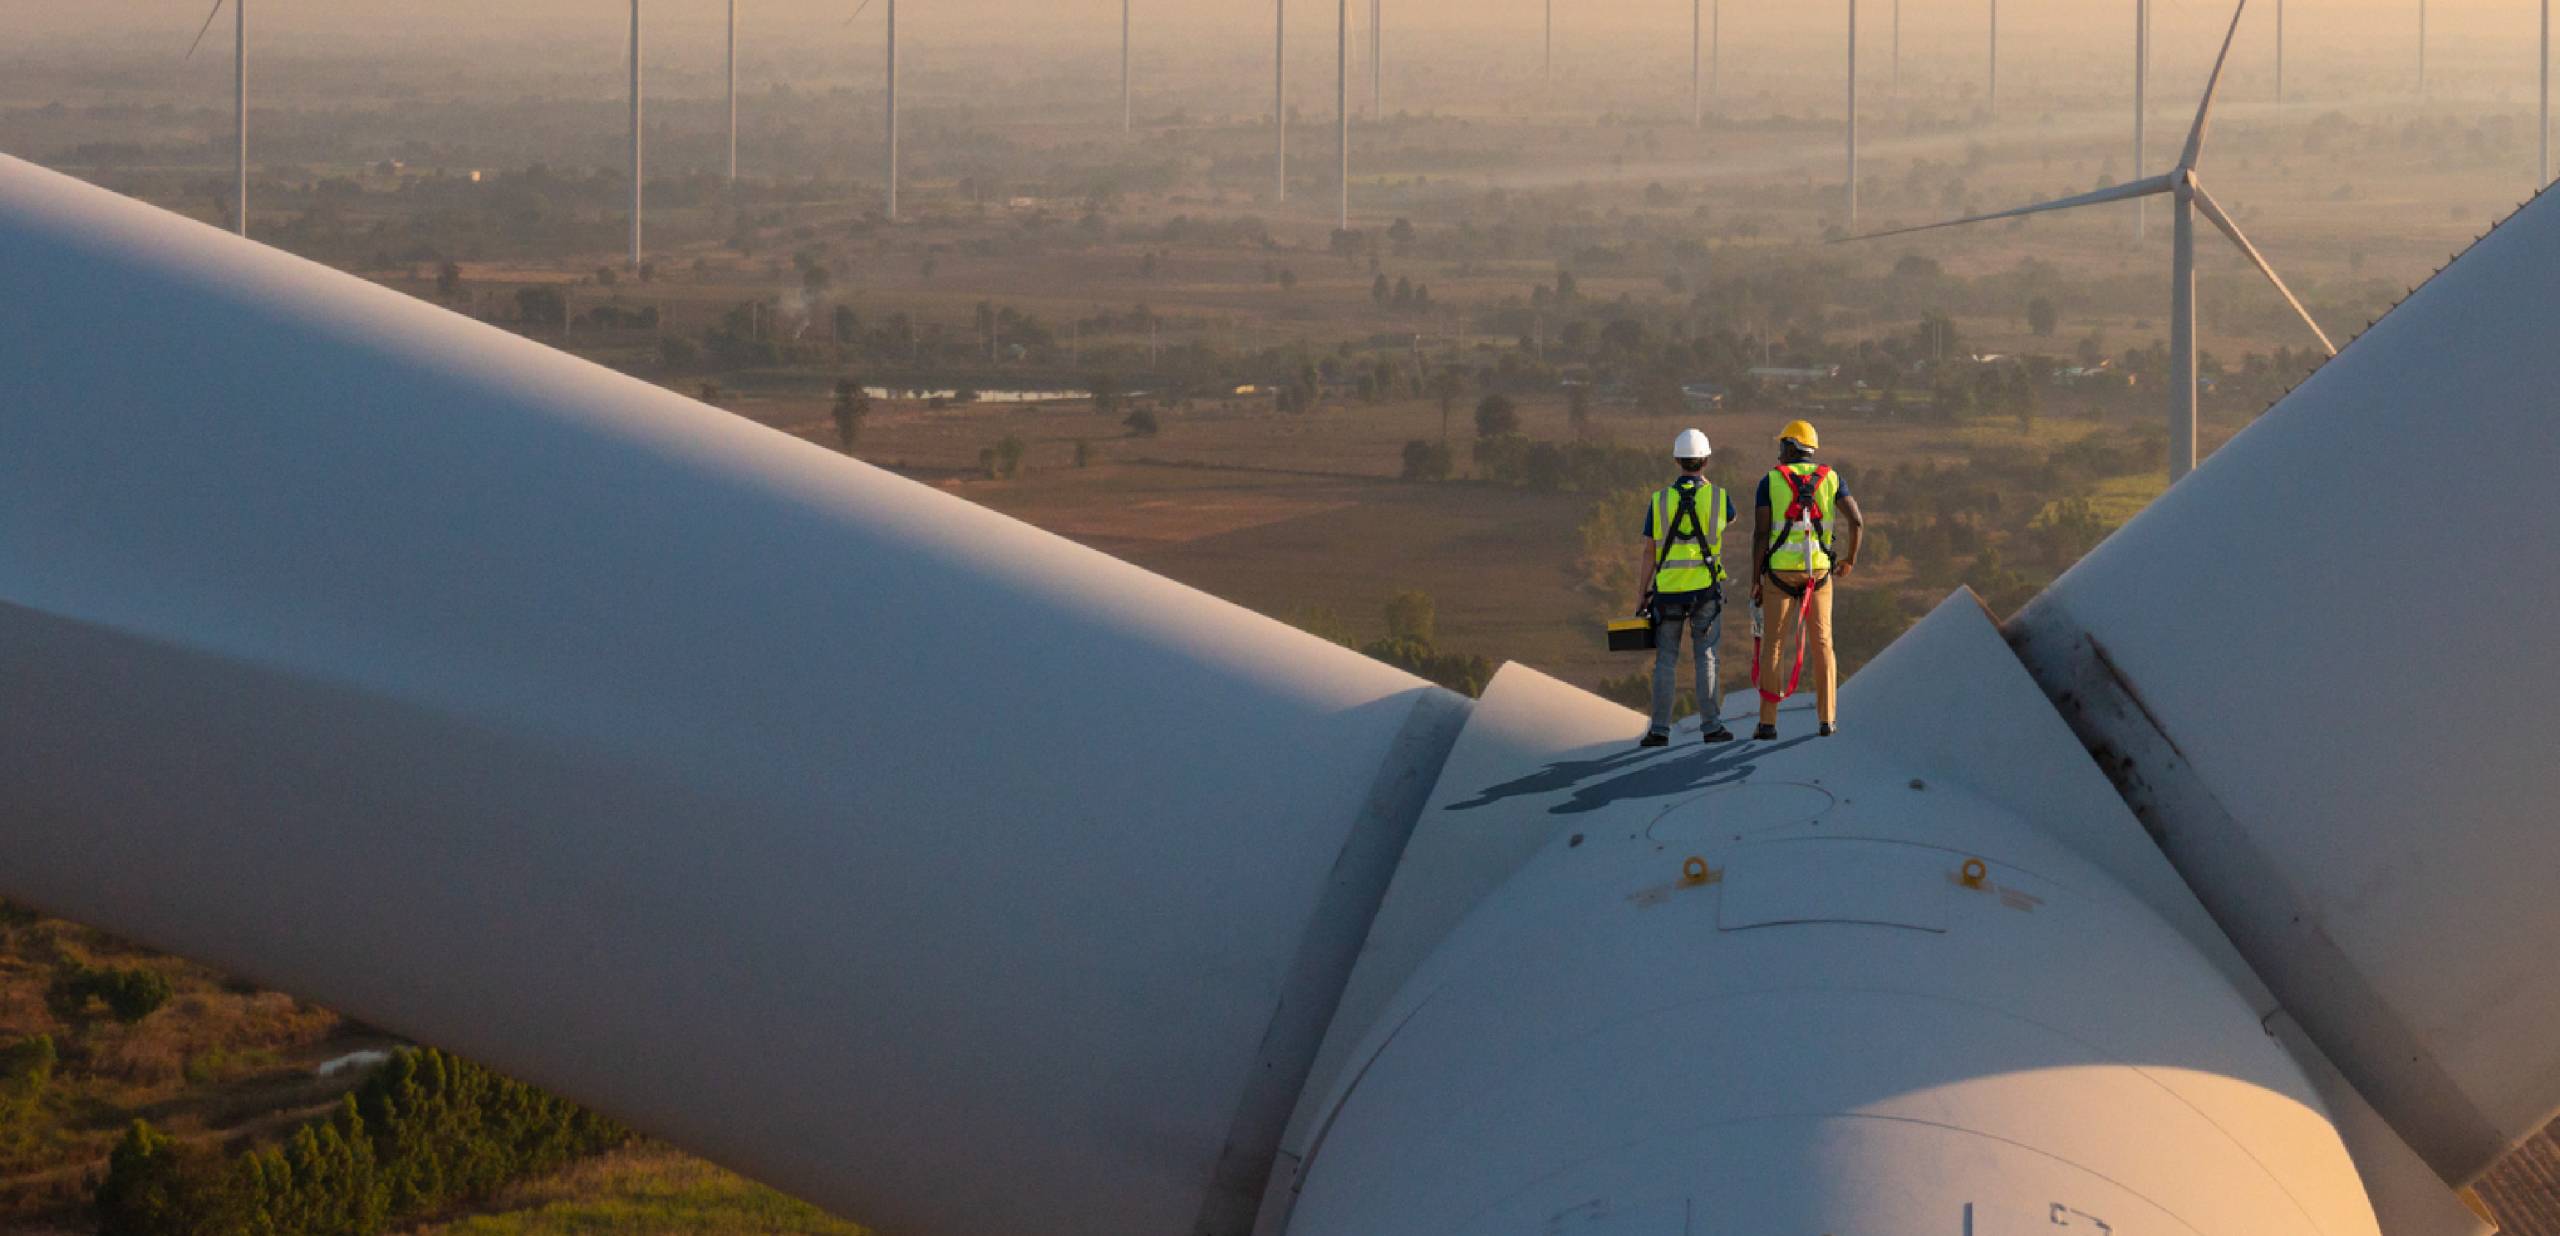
1799	504
1683	574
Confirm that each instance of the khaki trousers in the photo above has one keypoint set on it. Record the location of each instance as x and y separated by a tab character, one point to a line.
1777	620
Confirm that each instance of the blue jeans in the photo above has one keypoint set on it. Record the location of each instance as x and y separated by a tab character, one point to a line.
1705	622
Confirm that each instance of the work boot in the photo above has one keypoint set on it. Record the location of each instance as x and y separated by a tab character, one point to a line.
1718	734
1826	731
1655	740
1766	733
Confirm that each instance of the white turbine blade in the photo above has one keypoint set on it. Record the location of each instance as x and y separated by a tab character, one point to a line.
558	720
2146	187
2213	211
858	11
2373	830
201	31
2204	109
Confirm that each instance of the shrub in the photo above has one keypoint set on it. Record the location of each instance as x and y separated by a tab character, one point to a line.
1426	461
424	1131
1411	615
1496	416
1141	423
26	1068
130	993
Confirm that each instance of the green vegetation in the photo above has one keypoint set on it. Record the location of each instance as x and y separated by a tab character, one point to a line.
424	1131
1412	621
128	993
643	1188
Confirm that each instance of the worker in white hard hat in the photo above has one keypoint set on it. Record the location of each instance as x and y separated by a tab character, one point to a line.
1683	574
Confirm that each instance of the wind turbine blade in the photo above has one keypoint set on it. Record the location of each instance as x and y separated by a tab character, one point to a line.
2213	210
2204	110
858	11
2145	187
201	31
1044	960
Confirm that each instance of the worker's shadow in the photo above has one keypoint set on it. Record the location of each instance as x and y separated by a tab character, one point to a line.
1639	774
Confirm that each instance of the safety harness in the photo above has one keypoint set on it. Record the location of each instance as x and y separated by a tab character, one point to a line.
1802	526
1684	525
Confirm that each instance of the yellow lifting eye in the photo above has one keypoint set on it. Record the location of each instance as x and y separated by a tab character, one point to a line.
1695	871
1974	873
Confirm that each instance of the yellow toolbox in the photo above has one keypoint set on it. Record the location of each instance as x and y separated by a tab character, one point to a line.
1631	635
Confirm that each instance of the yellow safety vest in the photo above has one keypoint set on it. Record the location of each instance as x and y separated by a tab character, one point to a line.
1690	560
1795	545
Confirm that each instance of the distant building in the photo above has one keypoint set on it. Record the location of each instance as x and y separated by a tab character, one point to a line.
1706	395
1782	376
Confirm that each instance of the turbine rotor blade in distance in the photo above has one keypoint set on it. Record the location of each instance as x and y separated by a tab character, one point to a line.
2213	210
2148	186
2204	109
202	30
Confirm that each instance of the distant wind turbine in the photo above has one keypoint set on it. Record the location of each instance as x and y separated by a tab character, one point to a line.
2141	107
733	91
1697	51
1550	54
239	94
1377	58
2422	48
891	173
1991	97
2188	197
1852	198
2279	51
1280	88
1126	123
636	178
1342	102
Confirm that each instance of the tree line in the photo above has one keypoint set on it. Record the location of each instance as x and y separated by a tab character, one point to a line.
425	1130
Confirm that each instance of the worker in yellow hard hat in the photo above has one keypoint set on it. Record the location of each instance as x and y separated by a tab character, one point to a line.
1799	503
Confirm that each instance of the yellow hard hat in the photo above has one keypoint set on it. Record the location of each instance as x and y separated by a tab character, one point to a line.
1802	434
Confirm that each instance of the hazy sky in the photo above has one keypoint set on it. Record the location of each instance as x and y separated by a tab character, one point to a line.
2481	48
985	19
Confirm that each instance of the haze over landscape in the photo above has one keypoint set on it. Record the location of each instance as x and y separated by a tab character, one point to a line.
1426	434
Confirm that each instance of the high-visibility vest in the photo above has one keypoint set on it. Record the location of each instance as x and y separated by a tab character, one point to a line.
1800	530
1688	543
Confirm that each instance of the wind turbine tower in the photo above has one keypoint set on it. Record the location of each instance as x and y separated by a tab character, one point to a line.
1697	52
240	102
733	91
1549	56
1280	90
1991	96
892	173
239	96
2141	108
1377	58
2188	198
2422	48
636	194
1342	103
1125	113
2279	51
1852	198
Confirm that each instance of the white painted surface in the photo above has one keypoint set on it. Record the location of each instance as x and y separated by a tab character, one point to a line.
1591	1035
905	857
2373	700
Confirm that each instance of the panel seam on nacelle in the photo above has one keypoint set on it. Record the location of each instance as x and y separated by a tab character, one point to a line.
1337	928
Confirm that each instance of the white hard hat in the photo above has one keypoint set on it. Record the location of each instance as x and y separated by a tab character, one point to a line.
1691	444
